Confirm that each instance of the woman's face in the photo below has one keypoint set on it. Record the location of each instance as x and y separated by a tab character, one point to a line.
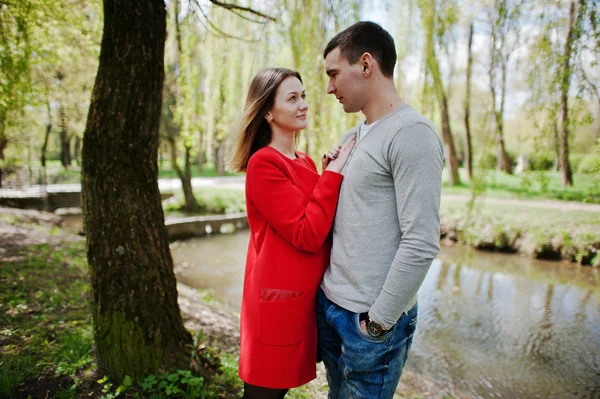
289	108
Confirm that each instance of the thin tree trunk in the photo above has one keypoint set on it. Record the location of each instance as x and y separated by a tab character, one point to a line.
185	176
449	149
3	145
200	156
219	156
449	143
46	136
469	150
77	150
138	329
3	139
191	205
567	174
65	140
505	163
556	133
496	56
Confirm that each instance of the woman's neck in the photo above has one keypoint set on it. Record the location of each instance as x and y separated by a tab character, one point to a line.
284	143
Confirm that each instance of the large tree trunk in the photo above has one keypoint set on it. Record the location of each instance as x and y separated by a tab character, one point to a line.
565	165
469	150
138	328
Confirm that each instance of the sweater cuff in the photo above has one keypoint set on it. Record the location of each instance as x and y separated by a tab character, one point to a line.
333	176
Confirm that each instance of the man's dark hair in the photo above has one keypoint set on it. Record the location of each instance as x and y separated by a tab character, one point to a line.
365	37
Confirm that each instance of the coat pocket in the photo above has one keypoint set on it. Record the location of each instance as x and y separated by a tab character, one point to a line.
281	317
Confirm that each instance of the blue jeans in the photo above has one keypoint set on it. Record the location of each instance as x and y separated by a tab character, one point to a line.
360	366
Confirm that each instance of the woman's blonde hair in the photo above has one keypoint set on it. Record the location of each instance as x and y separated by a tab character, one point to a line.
254	131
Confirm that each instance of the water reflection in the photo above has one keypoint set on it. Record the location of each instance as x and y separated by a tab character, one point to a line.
491	325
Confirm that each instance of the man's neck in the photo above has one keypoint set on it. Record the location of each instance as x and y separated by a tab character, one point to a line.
384	100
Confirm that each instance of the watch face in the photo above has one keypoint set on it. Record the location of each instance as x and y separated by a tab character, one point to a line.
374	329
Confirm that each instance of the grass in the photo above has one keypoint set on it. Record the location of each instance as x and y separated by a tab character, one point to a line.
46	335
211	201
45	320
528	185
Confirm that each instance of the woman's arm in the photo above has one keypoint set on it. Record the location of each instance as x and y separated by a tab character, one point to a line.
304	224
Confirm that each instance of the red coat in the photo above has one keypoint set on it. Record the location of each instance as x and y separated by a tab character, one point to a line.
290	212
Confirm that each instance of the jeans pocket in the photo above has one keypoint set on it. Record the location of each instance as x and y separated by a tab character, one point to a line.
366	336
281	320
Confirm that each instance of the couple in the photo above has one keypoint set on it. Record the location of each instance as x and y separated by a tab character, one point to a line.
351	302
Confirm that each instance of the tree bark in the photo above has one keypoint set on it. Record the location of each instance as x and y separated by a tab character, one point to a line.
3	145
191	204
185	176
497	56
219	157
565	165
200	155
46	137
138	328
449	148
65	140
77	150
432	63
469	150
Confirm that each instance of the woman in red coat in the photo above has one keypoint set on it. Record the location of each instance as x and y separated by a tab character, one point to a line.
290	212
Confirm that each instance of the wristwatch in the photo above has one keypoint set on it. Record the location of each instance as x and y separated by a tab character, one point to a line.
375	329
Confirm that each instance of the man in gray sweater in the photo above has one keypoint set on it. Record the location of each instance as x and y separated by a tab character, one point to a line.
387	229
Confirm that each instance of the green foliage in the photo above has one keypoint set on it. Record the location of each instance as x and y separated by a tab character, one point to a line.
542	161
15	370
177	384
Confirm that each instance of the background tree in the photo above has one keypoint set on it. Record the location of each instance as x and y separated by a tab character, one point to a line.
503	17
565	84
15	59
438	18
469	72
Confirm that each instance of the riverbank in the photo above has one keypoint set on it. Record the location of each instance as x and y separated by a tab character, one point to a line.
46	328
548	230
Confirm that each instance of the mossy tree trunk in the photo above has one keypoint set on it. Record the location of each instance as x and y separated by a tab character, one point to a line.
138	327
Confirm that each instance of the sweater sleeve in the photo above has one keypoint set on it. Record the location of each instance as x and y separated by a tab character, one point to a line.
415	159
303	222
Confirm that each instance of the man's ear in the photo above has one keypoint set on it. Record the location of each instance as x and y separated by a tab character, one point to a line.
367	64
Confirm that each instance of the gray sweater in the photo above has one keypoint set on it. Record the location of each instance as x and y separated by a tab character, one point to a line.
387	227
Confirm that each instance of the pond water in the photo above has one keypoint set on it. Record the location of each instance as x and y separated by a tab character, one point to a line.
490	325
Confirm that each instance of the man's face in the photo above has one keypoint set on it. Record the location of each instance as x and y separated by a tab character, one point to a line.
345	81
